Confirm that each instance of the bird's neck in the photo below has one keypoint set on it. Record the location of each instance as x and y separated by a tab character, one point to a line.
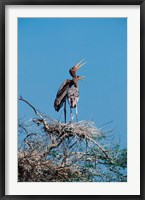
75	82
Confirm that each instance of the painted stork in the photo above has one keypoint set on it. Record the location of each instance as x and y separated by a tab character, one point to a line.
73	96
69	90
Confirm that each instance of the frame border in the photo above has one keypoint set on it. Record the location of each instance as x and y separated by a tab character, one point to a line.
3	3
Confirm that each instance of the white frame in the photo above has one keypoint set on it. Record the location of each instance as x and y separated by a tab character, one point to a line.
132	186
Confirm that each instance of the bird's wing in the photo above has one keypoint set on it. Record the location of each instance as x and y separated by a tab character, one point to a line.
63	88
61	94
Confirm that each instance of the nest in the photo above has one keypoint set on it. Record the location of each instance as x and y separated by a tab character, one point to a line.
82	129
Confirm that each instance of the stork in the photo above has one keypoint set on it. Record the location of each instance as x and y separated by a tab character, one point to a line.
69	90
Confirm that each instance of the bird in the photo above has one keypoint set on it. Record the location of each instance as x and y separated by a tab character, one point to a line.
64	91
73	96
61	96
68	91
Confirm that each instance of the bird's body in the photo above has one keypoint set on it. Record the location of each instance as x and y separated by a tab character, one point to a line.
69	91
73	96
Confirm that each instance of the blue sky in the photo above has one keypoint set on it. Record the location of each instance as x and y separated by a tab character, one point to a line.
49	47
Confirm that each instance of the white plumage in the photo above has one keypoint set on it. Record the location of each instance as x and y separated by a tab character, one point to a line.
73	96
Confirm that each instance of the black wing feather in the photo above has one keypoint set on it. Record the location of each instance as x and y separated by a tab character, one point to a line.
62	94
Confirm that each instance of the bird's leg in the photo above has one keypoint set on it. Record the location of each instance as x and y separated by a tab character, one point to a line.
71	116
65	112
76	113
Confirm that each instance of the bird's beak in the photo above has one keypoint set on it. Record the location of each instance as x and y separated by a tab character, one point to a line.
80	64
81	78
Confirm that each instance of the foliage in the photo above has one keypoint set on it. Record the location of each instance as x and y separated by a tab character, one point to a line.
51	151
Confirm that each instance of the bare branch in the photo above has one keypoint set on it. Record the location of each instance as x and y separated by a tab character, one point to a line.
35	110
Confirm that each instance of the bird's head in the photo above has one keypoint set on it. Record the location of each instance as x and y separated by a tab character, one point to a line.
73	70
76	79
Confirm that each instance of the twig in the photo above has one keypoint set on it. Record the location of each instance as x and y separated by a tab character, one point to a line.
105	124
100	147
29	135
35	110
118	173
23	128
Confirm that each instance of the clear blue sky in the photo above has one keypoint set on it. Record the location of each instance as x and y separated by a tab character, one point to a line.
49	47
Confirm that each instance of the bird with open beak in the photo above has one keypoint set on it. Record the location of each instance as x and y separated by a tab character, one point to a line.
76	79
73	70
